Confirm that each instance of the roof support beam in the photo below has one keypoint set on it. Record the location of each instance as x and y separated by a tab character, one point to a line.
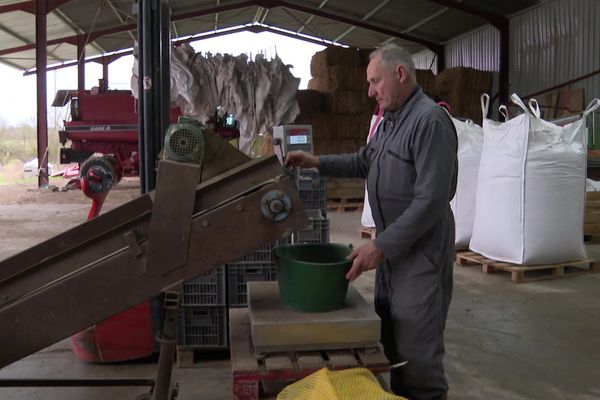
60	15
100	60
216	17
492	17
30	6
10	64
119	17
360	24
366	17
26	6
435	47
251	28
500	22
24	39
310	18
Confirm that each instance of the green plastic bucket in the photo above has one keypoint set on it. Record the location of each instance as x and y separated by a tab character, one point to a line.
312	277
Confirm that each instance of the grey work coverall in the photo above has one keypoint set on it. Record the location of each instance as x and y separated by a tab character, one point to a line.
410	167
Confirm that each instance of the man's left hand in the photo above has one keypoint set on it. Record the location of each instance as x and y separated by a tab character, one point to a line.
366	257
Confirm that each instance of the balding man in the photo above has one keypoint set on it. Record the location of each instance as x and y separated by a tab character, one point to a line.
410	167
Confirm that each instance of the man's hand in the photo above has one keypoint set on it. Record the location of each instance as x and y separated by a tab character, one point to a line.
301	159
366	257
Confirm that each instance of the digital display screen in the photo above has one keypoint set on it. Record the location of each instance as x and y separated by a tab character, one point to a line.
298	139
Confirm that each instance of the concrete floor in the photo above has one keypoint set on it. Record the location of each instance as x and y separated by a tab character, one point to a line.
537	340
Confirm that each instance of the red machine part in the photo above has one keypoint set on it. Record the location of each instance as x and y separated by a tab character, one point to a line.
128	335
104	123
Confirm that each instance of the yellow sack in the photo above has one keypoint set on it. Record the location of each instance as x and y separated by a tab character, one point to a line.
354	383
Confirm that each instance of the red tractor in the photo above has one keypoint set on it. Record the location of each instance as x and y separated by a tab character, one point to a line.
103	131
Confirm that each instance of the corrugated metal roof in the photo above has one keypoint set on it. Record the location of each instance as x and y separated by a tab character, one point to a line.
110	24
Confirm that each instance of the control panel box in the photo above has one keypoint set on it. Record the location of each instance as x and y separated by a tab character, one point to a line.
287	138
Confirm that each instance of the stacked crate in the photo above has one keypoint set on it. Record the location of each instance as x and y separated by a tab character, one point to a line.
203	314
256	266
311	189
204	319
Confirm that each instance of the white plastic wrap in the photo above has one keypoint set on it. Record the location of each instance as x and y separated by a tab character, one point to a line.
260	93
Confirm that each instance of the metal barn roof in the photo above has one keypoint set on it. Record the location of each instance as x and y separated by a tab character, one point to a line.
107	26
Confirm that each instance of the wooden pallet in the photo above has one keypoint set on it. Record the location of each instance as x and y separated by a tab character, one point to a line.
249	370
345	204
528	273
367	233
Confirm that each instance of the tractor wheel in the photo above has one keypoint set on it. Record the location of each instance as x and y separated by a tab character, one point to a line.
100	173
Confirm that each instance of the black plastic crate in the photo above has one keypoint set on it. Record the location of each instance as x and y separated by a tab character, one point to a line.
206	290
240	274
260	256
311	189
203	327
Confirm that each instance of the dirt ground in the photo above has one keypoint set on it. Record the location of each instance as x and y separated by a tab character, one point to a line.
29	215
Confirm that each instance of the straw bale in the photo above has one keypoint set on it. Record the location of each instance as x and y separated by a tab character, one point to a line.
426	79
332	56
347	102
309	101
463	79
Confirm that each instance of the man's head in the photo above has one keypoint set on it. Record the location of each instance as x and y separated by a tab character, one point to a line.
390	74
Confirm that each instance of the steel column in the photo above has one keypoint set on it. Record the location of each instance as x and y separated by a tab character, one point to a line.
163	72
504	61
105	63
81	62
154	85
41	55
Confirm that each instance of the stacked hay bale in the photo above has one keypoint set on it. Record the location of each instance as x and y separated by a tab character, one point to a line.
337	106
336	103
426	79
462	88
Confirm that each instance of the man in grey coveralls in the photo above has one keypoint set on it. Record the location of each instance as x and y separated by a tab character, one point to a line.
410	167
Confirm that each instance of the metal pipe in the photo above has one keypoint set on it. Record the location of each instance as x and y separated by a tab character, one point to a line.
569	82
168	346
163	93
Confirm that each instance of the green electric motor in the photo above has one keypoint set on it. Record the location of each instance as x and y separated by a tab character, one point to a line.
184	140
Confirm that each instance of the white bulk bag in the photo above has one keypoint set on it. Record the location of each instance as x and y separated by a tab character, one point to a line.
531	189
470	145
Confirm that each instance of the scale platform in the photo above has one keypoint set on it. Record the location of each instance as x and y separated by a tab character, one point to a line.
276	328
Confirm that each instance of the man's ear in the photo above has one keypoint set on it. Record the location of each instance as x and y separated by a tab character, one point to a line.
402	73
